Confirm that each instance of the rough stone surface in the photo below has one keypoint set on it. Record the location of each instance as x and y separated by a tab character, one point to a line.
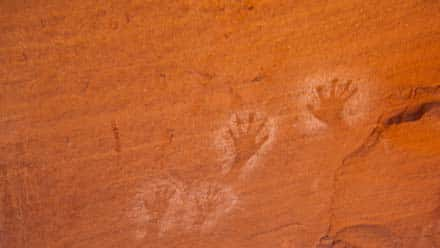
220	123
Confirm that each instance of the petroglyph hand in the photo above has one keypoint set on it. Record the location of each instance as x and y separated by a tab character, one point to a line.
158	203
332	100
245	136
207	201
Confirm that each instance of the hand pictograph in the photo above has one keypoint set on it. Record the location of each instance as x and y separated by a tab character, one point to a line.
158	204
332	101
248	136
245	138
207	202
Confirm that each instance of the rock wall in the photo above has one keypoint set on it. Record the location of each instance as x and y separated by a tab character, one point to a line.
220	123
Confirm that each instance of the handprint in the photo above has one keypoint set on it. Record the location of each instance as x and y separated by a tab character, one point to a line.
206	202
247	138
158	205
212	201
332	101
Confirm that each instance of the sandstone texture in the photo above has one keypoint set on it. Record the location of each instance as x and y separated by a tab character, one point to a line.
220	123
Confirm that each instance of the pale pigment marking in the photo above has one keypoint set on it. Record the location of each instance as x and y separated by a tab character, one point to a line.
270	129
177	218
354	108
308	122
358	105
187	209
200	208
151	205
225	149
139	214
212	202
225	144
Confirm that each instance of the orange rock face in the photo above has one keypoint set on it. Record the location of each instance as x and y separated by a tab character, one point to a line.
220	123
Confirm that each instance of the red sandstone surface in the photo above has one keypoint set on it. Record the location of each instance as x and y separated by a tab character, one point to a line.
220	123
